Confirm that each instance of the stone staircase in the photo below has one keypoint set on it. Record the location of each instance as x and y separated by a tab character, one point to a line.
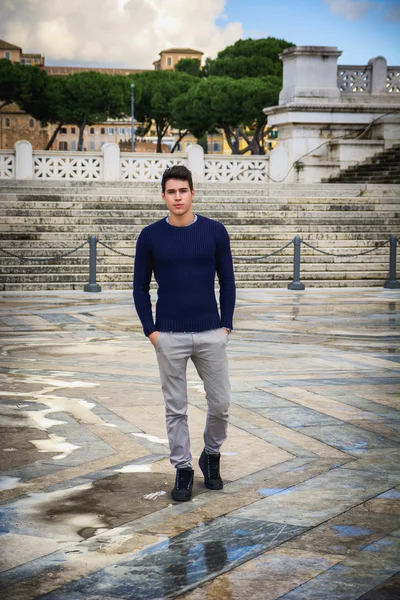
43	219
384	167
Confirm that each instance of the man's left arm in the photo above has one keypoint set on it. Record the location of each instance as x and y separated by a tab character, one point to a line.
226	278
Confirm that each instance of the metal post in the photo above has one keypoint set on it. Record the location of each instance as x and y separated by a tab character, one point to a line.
392	283
92	286
133	117
296	283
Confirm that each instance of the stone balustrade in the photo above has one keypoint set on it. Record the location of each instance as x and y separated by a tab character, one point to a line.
374	78
110	165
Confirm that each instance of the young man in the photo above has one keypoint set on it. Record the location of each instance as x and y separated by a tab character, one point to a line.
185	251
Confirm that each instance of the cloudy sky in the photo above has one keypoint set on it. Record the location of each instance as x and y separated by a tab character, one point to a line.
131	33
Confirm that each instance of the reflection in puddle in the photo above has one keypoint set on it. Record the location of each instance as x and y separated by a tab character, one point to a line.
181	563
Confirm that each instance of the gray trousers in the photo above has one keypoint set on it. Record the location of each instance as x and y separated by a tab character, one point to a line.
207	349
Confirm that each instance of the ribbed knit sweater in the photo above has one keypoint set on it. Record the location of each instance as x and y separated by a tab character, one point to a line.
184	261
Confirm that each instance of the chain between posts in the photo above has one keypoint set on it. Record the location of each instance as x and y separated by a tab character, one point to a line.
44	260
255	258
378	245
296	284
116	251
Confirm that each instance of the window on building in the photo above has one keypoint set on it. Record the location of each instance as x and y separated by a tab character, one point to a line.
63	130
101	145
7	55
7	122
92	131
169	61
122	131
73	145
110	130
153	132
72	129
31	123
216	146
91	145
102	130
63	145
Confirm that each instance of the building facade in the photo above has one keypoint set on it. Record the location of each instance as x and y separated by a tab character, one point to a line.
16	125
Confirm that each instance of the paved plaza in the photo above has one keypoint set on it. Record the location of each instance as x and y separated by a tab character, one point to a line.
311	504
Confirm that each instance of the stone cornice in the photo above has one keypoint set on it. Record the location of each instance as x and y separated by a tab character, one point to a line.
331	107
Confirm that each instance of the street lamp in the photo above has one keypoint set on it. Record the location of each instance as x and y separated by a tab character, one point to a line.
133	118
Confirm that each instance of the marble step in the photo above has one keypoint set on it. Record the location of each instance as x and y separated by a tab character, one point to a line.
326	283
153	215
268	274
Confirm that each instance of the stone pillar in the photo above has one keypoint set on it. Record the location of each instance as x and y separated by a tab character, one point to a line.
309	74
378	75
195	155
23	160
111	162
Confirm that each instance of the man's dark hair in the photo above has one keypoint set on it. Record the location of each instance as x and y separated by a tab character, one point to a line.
177	172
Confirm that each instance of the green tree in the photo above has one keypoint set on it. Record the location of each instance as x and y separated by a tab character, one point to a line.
158	90
92	97
249	58
234	106
189	65
11	79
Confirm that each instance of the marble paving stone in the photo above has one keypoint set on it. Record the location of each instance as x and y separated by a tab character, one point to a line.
320	498
378	461
60	318
266	577
348	532
185	561
297	417
299	442
24	548
35	470
355	576
311	358
348	438
389	590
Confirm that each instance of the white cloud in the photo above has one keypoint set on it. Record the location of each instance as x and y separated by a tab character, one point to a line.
353	10
121	33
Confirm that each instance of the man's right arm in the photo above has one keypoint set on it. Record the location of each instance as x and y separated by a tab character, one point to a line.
141	282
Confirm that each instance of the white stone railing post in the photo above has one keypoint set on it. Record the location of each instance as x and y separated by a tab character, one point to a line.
379	75
111	162
23	160
195	157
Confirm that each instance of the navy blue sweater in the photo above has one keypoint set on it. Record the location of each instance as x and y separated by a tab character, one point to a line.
184	261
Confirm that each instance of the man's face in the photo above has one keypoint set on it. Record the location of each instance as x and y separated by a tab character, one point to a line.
178	197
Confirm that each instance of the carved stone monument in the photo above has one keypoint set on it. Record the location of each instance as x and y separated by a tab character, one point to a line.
330	117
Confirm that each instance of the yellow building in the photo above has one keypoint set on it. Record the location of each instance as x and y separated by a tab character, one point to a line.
16	125
169	58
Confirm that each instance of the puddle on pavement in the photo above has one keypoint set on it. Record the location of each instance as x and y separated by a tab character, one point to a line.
86	510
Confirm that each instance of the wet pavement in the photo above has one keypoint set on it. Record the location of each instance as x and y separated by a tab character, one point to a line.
311	504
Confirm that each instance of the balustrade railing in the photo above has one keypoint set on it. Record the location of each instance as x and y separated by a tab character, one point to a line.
248	169
64	166
393	80
145	167
358	79
354	79
111	165
7	164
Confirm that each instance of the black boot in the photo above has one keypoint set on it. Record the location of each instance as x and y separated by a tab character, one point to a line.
209	464
182	491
